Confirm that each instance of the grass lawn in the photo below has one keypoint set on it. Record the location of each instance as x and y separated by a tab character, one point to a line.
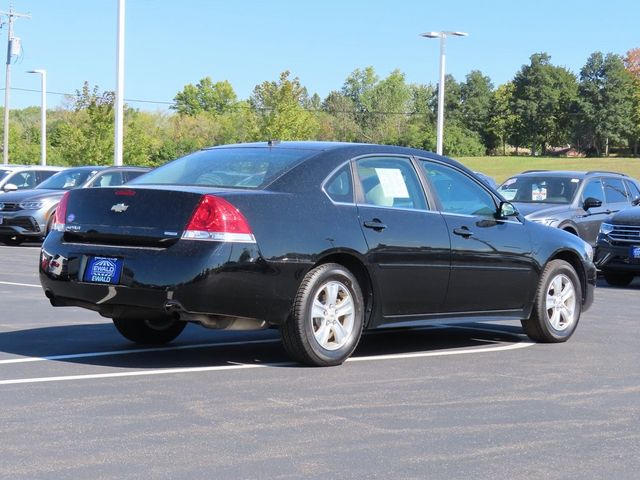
502	167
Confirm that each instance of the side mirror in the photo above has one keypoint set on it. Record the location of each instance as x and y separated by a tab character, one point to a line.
635	202
10	187
591	202
507	209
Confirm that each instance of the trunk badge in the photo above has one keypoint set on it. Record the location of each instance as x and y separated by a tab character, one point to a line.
119	208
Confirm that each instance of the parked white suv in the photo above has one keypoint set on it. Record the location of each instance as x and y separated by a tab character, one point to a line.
21	177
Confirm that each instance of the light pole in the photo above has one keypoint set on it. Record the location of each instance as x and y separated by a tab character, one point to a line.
119	103
43	115
442	36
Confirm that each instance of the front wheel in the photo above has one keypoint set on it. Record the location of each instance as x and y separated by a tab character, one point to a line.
149	332
618	279
557	306
326	322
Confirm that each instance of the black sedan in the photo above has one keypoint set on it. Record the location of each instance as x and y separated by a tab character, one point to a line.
320	240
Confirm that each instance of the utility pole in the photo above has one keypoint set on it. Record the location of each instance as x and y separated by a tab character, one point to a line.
119	117
7	86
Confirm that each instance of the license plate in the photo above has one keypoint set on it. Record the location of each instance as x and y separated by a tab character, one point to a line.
103	270
635	252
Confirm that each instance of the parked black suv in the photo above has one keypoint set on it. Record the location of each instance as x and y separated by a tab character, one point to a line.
618	247
573	201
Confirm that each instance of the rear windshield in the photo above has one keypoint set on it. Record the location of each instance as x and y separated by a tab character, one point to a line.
67	179
245	167
540	189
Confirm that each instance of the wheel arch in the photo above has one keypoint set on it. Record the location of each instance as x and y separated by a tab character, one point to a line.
353	263
573	259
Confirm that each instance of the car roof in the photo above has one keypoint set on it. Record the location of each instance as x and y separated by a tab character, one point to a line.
30	167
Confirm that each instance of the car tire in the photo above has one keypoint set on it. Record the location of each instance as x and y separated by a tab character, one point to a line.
149	332
618	279
327	318
49	225
557	306
11	240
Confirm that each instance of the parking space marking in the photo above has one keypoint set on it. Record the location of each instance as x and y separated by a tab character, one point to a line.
16	284
236	366
111	353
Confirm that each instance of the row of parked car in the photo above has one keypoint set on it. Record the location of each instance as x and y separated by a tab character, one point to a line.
29	195
600	207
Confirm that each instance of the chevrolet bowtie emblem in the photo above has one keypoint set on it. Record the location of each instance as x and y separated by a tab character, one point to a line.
119	207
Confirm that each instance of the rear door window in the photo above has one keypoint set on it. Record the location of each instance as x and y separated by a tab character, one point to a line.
390	182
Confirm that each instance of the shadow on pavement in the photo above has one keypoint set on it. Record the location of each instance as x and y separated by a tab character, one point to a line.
248	347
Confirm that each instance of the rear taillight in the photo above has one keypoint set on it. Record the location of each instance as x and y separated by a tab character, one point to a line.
216	219
61	213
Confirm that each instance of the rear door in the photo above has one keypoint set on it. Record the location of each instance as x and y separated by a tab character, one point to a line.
491	265
408	244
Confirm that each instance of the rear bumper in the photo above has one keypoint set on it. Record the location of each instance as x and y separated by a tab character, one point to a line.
615	257
190	278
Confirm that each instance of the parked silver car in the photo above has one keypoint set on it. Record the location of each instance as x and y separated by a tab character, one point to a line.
24	177
30	213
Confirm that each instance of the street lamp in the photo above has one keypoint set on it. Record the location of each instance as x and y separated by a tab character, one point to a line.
43	115
442	36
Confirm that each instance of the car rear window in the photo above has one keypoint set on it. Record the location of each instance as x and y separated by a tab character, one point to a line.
252	168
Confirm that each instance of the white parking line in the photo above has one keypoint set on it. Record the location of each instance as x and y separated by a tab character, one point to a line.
20	284
133	351
234	366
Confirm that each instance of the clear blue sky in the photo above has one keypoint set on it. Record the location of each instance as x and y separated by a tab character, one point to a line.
172	43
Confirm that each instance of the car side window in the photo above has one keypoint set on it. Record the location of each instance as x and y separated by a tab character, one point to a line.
633	189
457	192
24	180
340	187
614	191
390	182
593	189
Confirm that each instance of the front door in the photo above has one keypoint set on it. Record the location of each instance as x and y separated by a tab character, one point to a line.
491	266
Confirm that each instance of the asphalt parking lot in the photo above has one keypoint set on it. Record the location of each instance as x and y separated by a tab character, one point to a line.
464	401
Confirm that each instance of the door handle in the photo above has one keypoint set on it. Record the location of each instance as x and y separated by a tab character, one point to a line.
463	232
375	224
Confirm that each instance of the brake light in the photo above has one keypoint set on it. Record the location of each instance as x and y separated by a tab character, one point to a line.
61	213
126	193
216	219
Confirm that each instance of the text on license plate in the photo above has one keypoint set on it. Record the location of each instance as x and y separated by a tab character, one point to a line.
103	270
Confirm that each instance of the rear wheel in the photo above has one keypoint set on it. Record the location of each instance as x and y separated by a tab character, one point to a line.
11	239
618	279
149	332
557	306
327	317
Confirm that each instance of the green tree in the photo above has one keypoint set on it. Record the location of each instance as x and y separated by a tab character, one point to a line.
542	99
502	121
476	95
632	64
280	109
85	136
605	104
205	96
339	121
